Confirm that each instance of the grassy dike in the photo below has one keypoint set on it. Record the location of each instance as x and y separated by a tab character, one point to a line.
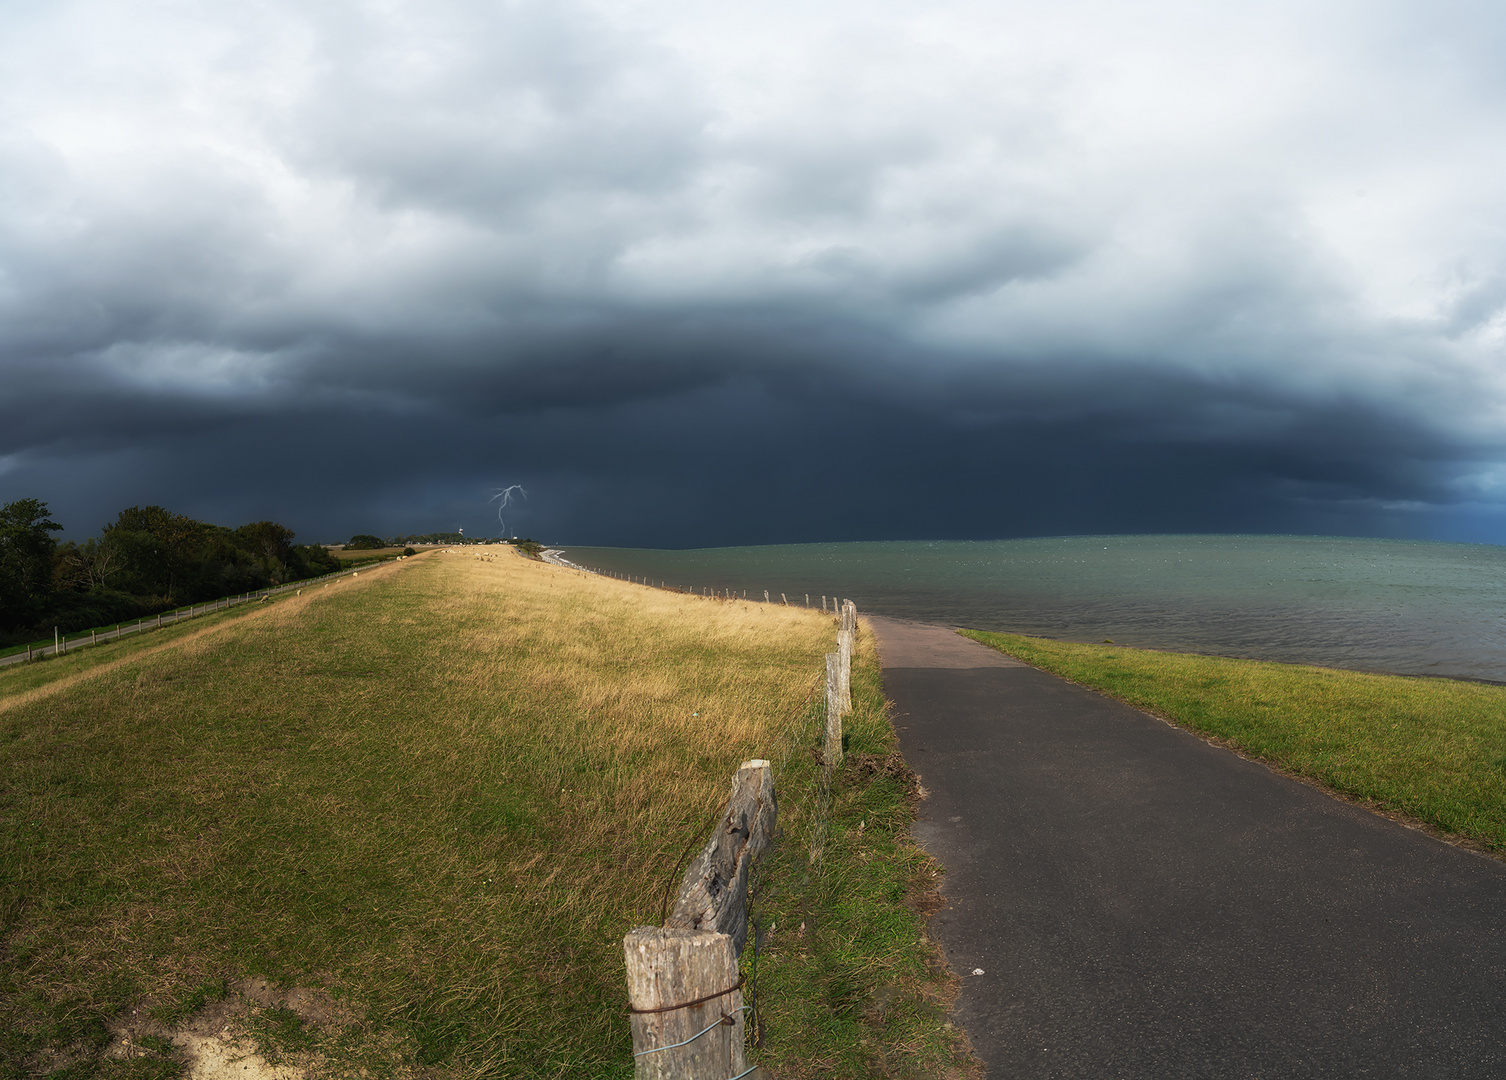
398	825
1431	750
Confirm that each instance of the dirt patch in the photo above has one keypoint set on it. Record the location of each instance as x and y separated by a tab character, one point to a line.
219	1042
866	768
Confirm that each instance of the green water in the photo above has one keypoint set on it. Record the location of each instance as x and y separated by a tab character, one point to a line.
1376	605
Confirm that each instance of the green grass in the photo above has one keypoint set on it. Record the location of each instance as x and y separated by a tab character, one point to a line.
76	639
440	793
1431	749
147	623
42	671
849	986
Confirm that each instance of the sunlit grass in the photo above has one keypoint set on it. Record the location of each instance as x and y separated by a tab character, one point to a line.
443	791
1432	749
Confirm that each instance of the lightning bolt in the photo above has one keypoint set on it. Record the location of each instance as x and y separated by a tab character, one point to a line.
502	498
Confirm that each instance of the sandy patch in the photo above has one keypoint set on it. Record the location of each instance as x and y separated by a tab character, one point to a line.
216	1044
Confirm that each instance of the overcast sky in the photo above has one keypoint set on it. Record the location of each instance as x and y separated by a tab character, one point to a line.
708	273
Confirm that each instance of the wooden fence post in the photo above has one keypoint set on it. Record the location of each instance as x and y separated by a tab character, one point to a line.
831	750
844	670
680	983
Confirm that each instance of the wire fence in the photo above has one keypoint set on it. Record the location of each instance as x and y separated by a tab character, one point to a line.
62	643
714	592
702	1033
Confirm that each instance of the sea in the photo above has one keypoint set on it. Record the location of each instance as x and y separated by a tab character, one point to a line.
1401	606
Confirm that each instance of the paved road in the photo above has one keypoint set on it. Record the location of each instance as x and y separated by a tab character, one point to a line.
1143	904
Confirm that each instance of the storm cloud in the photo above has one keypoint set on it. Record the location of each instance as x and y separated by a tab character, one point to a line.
733	274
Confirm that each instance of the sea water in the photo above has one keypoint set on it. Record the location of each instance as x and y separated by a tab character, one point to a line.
1410	607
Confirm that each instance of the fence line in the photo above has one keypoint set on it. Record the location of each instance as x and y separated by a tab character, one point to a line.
554	557
685	990
61	645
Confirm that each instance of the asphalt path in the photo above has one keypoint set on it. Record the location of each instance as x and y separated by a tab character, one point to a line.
1144	904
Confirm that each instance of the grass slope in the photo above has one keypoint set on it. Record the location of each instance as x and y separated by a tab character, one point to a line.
1433	750
442	791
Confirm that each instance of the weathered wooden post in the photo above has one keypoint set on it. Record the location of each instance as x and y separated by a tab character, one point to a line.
685	1003
684	990
831	749
766	596
844	669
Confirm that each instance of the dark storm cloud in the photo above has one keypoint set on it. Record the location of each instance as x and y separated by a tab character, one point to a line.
717	275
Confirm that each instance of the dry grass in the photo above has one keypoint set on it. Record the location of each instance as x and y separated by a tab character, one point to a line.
443	791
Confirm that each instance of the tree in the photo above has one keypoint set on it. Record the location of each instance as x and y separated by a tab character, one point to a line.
365	542
26	552
316	559
273	545
88	567
159	548
267	539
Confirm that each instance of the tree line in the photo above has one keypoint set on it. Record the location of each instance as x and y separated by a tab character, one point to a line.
147	560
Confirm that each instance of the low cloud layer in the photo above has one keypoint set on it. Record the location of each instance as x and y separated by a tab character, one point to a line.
733	274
